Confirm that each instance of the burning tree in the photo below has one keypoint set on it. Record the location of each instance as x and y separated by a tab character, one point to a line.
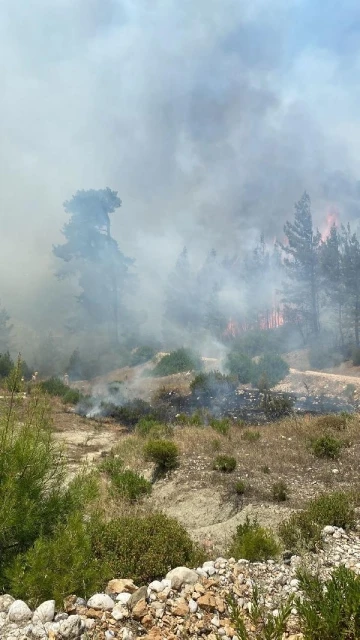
92	255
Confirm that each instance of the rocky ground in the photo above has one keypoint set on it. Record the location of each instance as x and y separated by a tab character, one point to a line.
187	603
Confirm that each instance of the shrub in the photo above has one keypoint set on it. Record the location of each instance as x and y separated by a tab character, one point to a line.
144	548
253	542
240	365
276	407
196	419
251	436
273	367
164	453
265	624
303	530
150	427
221	426
141	355
72	396
240	487
212	385
331	422
176	362
54	387
130	485
224	463
326	447
355	356
280	491
215	445
130	413
329	610
6	364
59	565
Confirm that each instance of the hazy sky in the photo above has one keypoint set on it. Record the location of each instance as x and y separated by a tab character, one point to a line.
209	117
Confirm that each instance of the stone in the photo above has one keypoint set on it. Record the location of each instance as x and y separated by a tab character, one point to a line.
180	608
45	612
207	601
72	628
181	576
157	586
193	606
70	604
140	609
101	601
123	597
127	634
329	530
19	612
61	616
5	602
118	612
139	594
119	585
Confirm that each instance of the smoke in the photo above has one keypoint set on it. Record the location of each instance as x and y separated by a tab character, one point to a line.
210	118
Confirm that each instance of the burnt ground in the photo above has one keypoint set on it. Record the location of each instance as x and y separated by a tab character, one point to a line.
205	500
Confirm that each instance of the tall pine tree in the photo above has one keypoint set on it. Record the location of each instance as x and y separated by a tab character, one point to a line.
301	289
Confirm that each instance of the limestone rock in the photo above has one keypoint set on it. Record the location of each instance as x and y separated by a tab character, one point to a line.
140	609
181	576
207	601
119	585
101	601
19	612
72	628
5	602
140	594
45	612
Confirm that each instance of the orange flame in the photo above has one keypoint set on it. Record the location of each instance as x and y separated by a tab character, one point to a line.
332	219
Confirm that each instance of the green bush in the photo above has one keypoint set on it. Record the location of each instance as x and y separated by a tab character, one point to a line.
303	530
149	427
276	407
72	396
164	453
131	412
271	366
265	625
329	610
331	422
57	566
251	436
215	445
222	425
54	387
240	365
212	384
224	463
279	491
6	364
141	355
253	542
144	548
130	485
176	362
240	487
326	447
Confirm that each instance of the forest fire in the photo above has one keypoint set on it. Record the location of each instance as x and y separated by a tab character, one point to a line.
270	319
332	219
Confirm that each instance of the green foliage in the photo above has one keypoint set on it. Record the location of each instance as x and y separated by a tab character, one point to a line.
240	365
196	419
131	412
326	447
322	357
224	463
176	362
212	384
271	366
280	491
253	542
303	529
222	425
73	396
331	423
6	364
164	453
268	626
144	548
215	445
57	566
329	610
149	427
257	342
276	407
124	482
251	436
141	355
54	387
240	487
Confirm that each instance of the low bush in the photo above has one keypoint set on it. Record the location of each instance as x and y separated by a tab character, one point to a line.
279	491
212	384
141	355
253	542
196	419
265	625
176	362
240	487
130	413
72	396
149	427
276	407
303	529
6	364
164	453
329	610
222	425
224	463
251	436
144	548
130	485
240	365
271	366
331	423
215	445
326	447
54	387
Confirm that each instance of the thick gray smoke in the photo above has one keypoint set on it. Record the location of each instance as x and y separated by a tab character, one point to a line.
210	118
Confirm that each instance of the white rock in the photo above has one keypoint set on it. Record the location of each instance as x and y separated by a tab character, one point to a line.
180	576
101	601
71	628
38	633
109	634
19	612
5	602
328	530
209	563
90	624
193	606
201	572
45	612
123	598
294	583
215	621
210	571
335	471
127	634
157	586
117	613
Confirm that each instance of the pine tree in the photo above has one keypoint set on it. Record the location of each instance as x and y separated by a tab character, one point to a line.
5	330
332	272
301	289
351	276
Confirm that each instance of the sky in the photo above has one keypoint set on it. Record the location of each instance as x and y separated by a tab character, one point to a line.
209	117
